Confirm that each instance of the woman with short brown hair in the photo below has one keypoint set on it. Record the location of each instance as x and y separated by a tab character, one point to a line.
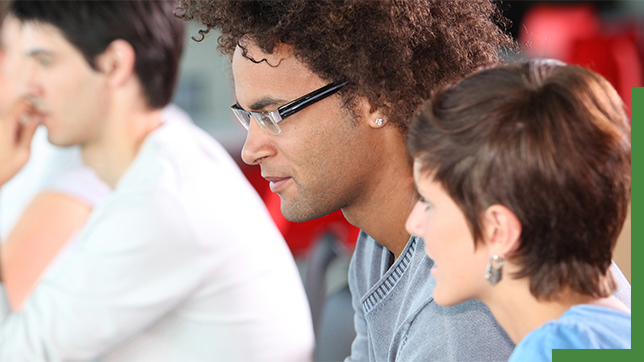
523	173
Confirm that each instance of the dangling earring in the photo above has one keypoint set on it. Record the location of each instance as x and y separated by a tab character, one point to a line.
379	121
492	274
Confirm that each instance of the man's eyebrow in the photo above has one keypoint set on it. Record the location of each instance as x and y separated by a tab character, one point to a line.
37	52
264	102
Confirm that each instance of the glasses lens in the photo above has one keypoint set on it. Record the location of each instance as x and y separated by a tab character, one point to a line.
265	120
242	116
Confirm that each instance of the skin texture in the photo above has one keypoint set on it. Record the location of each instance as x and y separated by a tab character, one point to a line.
15	140
10	64
323	128
324	159
460	266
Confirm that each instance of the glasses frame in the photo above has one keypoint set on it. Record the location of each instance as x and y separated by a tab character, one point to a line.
290	108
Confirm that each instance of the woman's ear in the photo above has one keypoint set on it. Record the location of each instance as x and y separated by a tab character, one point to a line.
502	230
117	62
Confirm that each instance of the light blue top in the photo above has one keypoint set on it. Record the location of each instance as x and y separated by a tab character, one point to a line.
581	327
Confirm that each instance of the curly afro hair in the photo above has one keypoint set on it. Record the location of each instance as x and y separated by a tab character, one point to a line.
393	52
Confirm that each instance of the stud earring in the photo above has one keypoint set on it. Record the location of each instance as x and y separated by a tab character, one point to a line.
492	274
379	121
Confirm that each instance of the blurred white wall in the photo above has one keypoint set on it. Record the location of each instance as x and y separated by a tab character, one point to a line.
205	89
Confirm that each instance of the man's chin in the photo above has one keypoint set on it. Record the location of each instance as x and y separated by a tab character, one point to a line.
298	212
58	141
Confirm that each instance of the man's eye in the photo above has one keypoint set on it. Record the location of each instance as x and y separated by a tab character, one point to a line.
44	62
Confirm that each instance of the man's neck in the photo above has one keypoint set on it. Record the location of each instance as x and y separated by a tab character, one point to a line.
383	208
112	154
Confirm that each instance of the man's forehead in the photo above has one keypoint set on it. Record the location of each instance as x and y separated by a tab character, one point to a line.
278	76
38	36
10	40
10	32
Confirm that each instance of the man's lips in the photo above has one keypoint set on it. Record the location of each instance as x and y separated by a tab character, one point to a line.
31	114
276	183
38	105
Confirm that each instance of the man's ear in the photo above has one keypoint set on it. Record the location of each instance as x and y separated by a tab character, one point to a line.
502	230
117	62
369	115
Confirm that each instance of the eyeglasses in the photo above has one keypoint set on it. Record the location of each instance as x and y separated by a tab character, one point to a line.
268	121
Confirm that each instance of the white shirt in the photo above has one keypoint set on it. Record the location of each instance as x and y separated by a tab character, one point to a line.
182	262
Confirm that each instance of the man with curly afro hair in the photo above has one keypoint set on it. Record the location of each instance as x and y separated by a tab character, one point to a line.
326	89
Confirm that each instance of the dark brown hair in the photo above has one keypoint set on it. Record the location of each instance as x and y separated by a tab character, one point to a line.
149	26
391	52
552	143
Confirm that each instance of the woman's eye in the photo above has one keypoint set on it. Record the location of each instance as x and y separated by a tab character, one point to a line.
427	204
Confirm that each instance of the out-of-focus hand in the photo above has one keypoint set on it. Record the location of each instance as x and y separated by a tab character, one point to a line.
17	128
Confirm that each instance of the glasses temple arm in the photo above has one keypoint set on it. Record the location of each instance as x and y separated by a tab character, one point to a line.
305	101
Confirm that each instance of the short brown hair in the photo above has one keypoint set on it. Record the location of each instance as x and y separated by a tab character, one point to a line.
394	53
552	143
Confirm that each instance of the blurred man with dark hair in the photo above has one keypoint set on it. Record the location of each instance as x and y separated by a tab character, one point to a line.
54	190
161	271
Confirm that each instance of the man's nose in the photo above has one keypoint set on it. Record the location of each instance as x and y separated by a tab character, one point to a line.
258	146
28	85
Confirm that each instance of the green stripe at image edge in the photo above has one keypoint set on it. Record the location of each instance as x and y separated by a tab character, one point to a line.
635	354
